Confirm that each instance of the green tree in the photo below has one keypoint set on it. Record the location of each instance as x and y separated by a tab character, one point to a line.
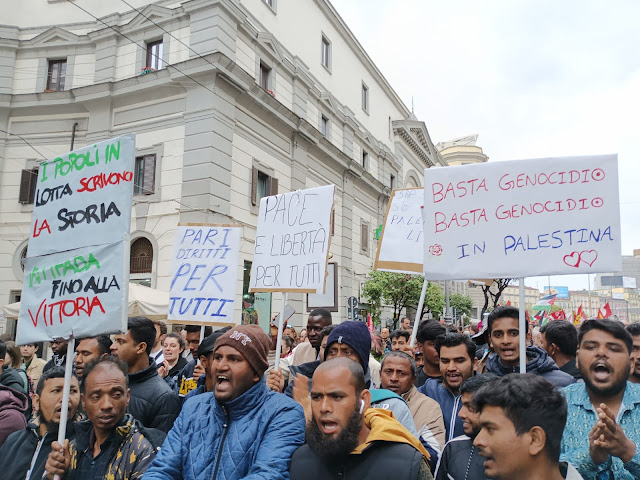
397	290
434	300
462	304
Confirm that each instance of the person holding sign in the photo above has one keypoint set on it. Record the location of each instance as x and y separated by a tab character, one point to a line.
111	443
243	430
504	337
25	452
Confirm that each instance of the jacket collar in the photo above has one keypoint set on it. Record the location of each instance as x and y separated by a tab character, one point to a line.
630	399
249	401
122	430
407	396
145	374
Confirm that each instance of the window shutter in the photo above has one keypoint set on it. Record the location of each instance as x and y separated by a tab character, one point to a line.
273	188
364	237
149	176
333	221
28	182
254	186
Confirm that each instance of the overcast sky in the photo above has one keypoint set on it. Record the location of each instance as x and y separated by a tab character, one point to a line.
534	78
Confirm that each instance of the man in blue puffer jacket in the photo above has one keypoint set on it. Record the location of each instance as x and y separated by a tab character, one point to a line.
240	430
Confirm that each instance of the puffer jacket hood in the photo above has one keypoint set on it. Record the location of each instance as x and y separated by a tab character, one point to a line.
13	408
539	363
11	378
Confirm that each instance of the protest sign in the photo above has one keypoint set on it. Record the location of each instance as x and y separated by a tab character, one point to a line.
522	218
205	274
84	197
292	242
401	246
74	293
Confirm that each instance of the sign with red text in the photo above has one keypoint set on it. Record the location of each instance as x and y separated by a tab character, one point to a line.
77	292
292	242
204	277
523	218
401	244
83	197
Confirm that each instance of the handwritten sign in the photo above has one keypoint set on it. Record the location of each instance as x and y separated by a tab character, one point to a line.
400	248
522	218
77	292
84	197
292	242
205	273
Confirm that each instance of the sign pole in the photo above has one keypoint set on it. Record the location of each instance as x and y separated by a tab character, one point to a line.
64	413
414	333
283	301
522	328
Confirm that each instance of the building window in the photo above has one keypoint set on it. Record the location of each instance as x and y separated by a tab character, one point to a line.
262	185
144	178
333	222
392	182
154	55
325	53
56	75
28	183
141	256
265	76
365	97
364	237
324	126
365	159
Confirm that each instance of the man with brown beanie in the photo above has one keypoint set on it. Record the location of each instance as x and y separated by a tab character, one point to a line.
243	430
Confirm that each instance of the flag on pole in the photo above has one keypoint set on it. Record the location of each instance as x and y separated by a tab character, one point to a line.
540	317
508	304
579	317
604	312
545	302
369	323
559	315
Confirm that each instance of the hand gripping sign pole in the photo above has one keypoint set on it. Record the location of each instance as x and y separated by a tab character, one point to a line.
283	302
64	413
522	328
414	333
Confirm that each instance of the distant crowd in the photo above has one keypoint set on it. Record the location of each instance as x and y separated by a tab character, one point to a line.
343	403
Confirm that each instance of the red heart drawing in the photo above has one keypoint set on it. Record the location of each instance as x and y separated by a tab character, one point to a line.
588	257
572	260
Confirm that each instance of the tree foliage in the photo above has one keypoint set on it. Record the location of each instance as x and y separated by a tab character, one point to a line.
461	303
397	290
493	292
434	300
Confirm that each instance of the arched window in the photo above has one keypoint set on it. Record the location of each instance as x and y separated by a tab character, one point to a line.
141	256
23	255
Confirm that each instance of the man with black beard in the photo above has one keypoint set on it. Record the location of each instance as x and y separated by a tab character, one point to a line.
348	439
601	435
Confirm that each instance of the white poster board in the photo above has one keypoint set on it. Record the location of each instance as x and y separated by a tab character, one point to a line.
401	245
84	197
78	292
204	275
292	242
523	218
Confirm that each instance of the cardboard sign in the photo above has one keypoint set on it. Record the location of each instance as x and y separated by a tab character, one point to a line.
77	292
84	197
522	218
205	273
401	246
292	242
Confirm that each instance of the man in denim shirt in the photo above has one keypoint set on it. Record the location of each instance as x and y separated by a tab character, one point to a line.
603	423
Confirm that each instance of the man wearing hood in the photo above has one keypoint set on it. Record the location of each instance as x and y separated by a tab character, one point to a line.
504	337
25	452
348	439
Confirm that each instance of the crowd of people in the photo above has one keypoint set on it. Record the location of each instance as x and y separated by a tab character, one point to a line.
343	403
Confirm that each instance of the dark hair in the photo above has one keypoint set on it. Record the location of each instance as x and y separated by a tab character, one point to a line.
111	360
196	328
404	356
451	339
528	401
473	384
563	334
357	373
430	330
104	343
400	333
287	340
506	311
181	343
141	330
3	350
162	325
14	353
326	331
611	326
321	312
55	372
633	329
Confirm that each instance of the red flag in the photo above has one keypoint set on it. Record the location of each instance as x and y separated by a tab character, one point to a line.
579	317
604	312
369	323
508	303
559	315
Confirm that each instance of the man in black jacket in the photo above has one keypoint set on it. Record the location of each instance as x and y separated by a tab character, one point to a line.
460	459
25	452
153	402
347	439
